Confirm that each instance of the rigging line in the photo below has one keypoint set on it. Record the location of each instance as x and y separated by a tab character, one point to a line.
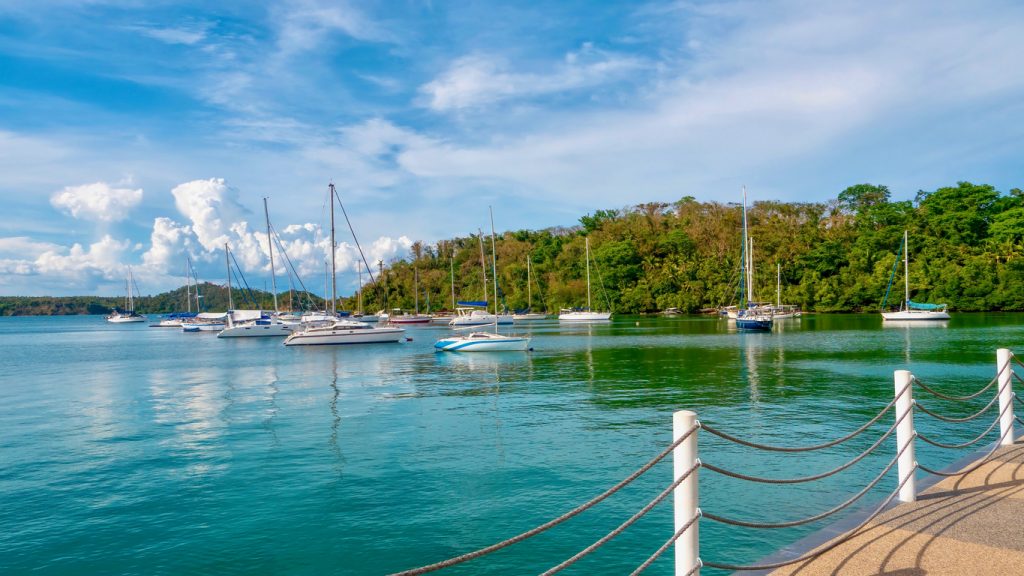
358	247
892	276
552	523
607	301
853	434
803	479
295	272
825	514
814	554
250	296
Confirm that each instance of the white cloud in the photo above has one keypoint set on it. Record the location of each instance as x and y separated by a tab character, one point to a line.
212	207
478	80
98	201
306	24
102	259
23	247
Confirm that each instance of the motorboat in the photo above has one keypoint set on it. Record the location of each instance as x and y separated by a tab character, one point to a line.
483	342
345	332
173	320
253	323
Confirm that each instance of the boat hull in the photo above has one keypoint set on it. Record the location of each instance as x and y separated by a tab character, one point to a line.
916	315
529	317
505	344
255	331
343	336
584	316
125	319
754	325
410	320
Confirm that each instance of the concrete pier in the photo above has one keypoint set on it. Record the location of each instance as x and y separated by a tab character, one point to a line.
972	524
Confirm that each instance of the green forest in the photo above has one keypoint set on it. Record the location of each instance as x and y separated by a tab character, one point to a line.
966	244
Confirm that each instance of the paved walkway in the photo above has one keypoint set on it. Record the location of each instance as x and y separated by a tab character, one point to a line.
966	525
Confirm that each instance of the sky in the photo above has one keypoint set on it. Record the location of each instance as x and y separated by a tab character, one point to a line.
142	132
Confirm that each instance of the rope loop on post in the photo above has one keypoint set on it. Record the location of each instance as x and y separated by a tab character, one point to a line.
811	478
855	433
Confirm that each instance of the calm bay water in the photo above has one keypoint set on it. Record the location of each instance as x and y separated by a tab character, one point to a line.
136	450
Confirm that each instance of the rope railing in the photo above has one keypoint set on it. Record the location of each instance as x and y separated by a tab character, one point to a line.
825	514
551	523
661	550
965	444
977	414
979	463
622	527
811	478
829	444
938	394
815	553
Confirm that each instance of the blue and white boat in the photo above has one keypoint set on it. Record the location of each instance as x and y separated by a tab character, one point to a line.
750	316
483	342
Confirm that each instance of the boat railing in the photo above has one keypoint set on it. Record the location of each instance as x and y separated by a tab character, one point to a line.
686	466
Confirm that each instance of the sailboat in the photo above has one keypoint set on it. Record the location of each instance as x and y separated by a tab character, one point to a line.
470	313
587	314
529	314
174	319
398	316
342	331
359	315
910	310
486	341
128	314
782	311
749	316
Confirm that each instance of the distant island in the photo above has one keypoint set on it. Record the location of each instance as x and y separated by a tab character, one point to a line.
966	250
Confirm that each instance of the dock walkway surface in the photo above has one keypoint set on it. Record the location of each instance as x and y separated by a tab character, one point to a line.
970	524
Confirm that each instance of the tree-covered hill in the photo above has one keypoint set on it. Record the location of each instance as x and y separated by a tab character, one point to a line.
966	249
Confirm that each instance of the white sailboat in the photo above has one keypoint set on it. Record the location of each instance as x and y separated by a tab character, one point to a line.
910	310
486	341
751	316
529	314
342	331
782	311
128	314
587	314
398	316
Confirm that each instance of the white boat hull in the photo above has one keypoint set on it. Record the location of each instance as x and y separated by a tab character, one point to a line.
255	331
489	344
916	315
482	319
411	319
584	316
213	327
529	317
118	319
339	336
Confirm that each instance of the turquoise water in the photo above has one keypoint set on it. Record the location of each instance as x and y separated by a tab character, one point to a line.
131	450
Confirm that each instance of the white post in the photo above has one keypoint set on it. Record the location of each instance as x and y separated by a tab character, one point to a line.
905	434
1005	371
685	496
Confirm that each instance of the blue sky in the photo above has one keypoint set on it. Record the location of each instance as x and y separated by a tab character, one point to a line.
136	132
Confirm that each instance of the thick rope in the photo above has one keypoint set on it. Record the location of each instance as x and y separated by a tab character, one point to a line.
551	523
817	517
842	467
814	554
977	464
622	527
1015	359
938	394
958	420
851	435
679	533
965	444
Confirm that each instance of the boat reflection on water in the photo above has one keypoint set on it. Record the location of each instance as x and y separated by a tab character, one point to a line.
915	324
474	362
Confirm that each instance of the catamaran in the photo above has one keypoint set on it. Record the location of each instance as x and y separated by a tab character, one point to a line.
342	331
587	314
910	310
128	314
486	341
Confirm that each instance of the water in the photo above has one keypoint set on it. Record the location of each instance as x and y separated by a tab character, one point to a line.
130	450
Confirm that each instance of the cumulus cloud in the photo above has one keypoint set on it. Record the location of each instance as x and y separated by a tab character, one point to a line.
98	201
102	259
20	247
212	207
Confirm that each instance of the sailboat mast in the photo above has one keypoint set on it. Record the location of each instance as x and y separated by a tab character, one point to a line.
188	287
750	255
270	245
227	264
131	300
778	284
529	294
416	287
586	241
334	248
494	267
359	304
452	266
483	261
746	249
906	273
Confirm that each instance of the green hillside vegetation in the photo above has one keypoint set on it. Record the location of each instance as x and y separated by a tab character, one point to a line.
966	250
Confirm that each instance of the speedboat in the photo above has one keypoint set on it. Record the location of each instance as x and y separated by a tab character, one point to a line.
253	323
344	332
483	342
